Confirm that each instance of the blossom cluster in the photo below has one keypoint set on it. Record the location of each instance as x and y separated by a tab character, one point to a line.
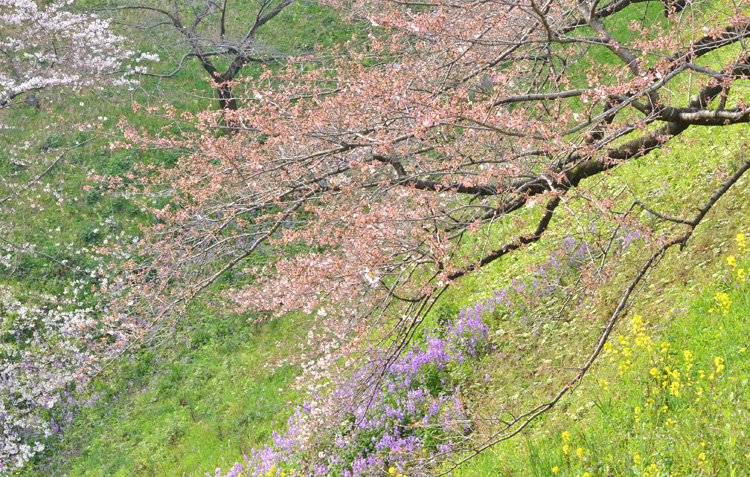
50	46
40	363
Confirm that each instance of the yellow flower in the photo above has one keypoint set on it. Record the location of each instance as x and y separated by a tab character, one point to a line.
731	261
719	362
741	243
651	470
722	302
391	470
555	469
566	436
579	452
566	449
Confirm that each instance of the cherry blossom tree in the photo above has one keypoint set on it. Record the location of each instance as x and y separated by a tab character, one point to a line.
360	186
48	45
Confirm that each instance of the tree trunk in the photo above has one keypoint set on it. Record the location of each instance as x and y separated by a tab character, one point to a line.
227	101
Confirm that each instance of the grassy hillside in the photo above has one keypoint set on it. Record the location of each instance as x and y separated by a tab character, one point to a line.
655	403
669	397
209	398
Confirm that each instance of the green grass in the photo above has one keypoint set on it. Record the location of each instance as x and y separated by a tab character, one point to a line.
214	396
670	397
68	214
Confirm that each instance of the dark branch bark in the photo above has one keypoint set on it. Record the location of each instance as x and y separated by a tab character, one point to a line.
709	43
604	12
505	250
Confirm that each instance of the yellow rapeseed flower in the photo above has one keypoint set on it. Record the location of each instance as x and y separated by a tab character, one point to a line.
566	436
731	261
722	302
719	363
555	469
579	452
651	470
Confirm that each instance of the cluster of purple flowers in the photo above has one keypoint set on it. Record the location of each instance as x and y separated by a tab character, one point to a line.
403	415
